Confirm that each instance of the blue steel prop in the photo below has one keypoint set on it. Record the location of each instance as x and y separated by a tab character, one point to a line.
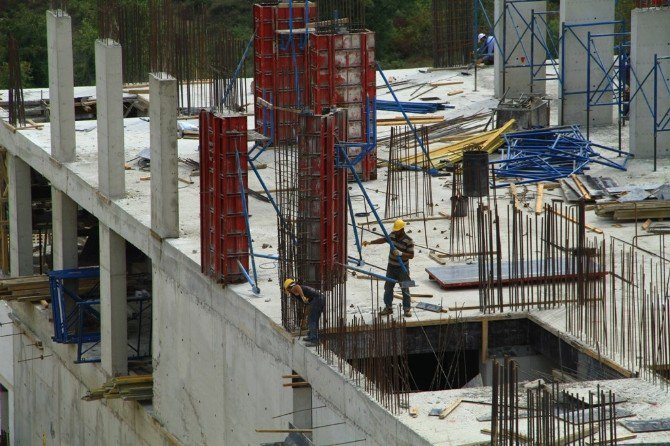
411	107
550	154
344	162
245	209
77	317
238	69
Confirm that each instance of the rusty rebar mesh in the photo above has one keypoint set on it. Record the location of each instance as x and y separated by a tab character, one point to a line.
17	111
59	6
409	192
377	359
335	16
452	32
226	90
544	262
552	416
463	223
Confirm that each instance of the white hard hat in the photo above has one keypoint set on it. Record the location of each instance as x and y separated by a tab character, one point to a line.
481	36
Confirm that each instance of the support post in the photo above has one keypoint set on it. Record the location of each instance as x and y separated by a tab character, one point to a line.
113	303
164	169
20	217
650	37
61	86
109	92
64	226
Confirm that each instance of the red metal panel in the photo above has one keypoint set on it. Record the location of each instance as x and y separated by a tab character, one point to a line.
223	227
342	74
322	226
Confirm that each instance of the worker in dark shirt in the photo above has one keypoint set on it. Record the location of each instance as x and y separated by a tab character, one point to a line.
313	298
404	249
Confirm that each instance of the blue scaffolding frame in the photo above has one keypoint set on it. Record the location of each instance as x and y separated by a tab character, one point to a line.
76	317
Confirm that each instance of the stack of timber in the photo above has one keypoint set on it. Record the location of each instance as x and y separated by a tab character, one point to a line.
136	388
453	127
25	289
635	210
33	288
450	149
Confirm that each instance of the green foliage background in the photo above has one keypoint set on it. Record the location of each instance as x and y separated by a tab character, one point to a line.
403	29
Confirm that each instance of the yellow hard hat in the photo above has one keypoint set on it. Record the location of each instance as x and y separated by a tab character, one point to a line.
288	283
398	225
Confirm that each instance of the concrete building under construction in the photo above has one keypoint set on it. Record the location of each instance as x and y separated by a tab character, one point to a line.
148	225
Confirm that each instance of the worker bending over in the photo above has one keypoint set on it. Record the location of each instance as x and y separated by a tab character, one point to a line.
404	248
487	49
313	298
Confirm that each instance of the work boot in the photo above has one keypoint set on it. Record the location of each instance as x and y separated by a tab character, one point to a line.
309	342
386	311
408	313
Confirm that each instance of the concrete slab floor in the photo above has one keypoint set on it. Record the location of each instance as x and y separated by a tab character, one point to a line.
462	427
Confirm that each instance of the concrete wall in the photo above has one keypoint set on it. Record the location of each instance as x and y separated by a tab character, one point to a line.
7	369
574	68
516	46
650	35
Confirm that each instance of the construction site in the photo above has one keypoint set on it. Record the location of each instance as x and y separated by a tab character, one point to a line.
153	227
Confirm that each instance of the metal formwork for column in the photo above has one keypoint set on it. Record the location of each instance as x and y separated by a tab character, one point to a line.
342	74
224	236
322	201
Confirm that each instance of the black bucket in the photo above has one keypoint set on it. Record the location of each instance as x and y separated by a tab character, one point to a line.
475	173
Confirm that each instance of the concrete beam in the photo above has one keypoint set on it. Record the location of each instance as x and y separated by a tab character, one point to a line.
64	226
519	40
20	217
574	61
109	93
61	86
650	36
164	169
113	303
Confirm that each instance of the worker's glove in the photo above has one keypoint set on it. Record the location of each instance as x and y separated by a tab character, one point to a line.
365	243
397	252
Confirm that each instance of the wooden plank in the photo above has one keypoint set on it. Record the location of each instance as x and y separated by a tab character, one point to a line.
454	92
485	341
438	259
585	193
444	83
539	199
589	227
450	408
283	431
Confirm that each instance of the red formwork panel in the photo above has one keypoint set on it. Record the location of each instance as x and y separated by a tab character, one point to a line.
276	69
322	223
342	74
224	240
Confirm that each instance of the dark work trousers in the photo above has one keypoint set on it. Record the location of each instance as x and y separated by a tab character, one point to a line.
396	272
315	310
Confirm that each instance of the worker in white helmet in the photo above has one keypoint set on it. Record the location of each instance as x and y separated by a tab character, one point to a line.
404	249
307	296
486	49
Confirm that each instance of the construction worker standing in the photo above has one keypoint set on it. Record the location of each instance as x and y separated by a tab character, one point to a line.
313	298
404	249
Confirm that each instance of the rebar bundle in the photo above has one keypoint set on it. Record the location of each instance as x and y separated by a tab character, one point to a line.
463	223
335	16
378	361
59	6
553	417
409	190
545	262
126	22
453	35
17	111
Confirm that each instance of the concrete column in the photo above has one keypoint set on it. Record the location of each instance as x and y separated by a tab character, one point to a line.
113	303
574	61
61	86
519	40
164	190
20	217
109	93
650	35
64	226
302	407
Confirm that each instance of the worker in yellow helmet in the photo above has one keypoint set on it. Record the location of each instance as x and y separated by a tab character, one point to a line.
404	249
307	296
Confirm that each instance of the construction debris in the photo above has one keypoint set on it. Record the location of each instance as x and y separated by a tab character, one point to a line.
551	154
